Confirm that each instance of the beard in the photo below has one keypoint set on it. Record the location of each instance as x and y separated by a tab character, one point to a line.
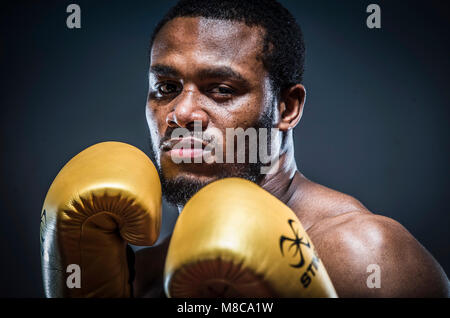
179	190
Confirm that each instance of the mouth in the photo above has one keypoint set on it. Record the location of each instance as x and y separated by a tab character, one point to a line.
183	148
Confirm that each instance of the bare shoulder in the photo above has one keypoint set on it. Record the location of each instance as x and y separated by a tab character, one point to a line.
325	202
355	245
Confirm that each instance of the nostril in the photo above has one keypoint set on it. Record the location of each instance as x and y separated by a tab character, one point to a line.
190	126
170	121
196	125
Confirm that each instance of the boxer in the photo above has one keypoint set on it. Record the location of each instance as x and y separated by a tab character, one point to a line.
230	64
243	230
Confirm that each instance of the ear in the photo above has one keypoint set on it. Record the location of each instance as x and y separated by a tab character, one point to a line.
291	106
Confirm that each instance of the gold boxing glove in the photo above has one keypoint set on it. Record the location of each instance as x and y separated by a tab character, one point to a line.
105	197
235	239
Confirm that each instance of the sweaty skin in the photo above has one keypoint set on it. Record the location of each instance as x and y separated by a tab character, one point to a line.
347	236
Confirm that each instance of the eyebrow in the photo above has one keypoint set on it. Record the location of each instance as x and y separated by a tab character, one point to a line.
164	70
221	72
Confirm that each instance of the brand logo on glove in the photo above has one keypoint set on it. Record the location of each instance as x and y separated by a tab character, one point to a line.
296	242
309	273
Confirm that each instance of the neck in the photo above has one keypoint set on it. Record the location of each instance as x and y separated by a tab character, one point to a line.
283	183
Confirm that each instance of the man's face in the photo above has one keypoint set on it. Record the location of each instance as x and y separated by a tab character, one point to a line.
209	71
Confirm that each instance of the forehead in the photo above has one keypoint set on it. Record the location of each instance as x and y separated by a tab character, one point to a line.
195	40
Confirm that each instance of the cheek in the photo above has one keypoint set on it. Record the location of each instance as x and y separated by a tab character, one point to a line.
154	125
243	114
156	118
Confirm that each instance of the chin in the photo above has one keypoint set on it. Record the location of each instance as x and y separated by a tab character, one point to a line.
179	188
191	171
189	176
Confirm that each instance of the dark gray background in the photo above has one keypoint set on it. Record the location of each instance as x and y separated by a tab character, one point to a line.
375	124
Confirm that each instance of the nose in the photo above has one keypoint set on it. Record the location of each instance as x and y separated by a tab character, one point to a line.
187	109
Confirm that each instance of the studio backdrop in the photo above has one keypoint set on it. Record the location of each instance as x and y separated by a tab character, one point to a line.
375	123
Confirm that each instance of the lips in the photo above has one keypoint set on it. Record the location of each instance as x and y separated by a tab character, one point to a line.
189	147
186	153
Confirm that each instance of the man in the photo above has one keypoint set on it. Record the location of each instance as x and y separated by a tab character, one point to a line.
234	64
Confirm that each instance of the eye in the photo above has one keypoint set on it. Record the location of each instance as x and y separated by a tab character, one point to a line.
167	88
222	90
